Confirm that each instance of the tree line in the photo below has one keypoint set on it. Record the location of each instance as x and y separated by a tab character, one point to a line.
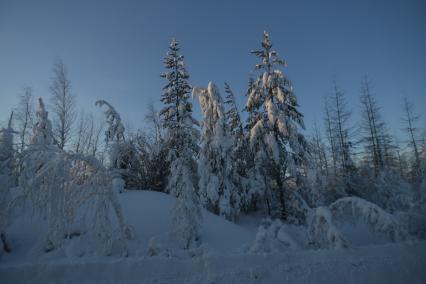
228	166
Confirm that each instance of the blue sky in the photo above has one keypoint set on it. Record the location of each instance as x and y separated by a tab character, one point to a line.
114	49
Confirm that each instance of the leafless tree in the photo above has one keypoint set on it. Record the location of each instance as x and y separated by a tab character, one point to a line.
410	119
24	116
62	104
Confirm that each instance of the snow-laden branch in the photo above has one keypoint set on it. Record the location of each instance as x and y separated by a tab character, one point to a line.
321	231
378	219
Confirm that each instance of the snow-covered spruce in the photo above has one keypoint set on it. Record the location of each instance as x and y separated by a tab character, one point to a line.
273	122
240	154
218	183
181	138
69	191
180	126
7	180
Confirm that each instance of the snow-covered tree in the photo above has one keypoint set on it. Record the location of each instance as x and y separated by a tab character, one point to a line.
218	184
68	190
24	118
181	137
123	156
155	151
186	213
378	219
273	123
7	179
322	233
42	129
271	237
318	178
240	153
181	134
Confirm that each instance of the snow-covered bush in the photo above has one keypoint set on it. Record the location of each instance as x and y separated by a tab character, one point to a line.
378	219
415	217
272	237
69	190
322	233
186	214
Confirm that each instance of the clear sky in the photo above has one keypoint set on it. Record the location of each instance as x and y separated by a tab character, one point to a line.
114	49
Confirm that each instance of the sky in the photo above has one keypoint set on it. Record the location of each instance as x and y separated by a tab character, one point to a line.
114	50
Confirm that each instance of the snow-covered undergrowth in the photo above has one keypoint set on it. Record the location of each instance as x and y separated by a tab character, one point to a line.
229	252
349	219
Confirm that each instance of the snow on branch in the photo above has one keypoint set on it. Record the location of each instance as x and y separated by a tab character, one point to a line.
321	231
115	129
378	219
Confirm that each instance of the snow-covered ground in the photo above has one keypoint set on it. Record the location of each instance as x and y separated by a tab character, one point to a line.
226	254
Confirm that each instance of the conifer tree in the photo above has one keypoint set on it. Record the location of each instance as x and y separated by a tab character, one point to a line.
181	138
338	120
273	124
218	188
410	119
375	139
62	105
7	179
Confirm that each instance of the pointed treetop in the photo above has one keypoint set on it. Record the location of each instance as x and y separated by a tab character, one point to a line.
266	43
42	129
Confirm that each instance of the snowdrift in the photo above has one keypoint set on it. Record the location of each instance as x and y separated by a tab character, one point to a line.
230	253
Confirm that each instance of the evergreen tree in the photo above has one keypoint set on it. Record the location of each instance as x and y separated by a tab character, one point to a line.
7	179
273	123
233	120
42	129
181	134
181	138
218	177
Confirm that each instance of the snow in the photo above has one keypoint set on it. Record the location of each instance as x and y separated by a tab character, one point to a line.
223	257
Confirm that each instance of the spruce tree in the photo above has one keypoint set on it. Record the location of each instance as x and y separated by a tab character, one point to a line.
218	185
7	179
273	123
181	138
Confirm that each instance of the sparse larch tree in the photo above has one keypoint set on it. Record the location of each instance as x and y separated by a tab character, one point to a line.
410	119
62	105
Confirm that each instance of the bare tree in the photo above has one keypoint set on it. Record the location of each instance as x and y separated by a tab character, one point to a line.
372	126
24	116
330	135
62	105
410	119
341	116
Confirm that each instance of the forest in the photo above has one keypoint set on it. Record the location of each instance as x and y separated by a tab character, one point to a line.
300	183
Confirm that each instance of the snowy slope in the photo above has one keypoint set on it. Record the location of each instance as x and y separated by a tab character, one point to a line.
221	259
